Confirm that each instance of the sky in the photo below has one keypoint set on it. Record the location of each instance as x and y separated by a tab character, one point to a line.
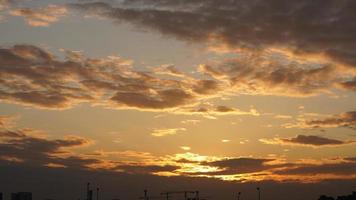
216	95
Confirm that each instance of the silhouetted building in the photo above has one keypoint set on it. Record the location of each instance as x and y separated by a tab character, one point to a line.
345	197
21	196
324	197
348	197
0	196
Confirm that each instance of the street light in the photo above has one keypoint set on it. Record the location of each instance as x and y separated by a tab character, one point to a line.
259	193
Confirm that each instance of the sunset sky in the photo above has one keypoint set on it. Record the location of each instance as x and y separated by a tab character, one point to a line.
229	93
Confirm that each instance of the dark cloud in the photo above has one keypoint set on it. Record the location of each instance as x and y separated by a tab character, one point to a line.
308	140
305	27
313	140
19	145
32	76
206	87
163	99
345	168
349	85
212	111
25	147
347	119
264	74
282	46
233	166
146	169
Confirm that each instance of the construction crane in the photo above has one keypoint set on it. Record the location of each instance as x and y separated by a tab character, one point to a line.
186	194
147	197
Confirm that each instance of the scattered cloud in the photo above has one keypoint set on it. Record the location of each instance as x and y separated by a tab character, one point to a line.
274	73
315	120
211	111
42	16
347	119
307	140
166	132
298	26
191	121
32	76
185	148
281	58
238	165
21	147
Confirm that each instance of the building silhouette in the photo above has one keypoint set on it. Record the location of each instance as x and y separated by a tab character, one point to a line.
344	197
348	197
0	196
21	196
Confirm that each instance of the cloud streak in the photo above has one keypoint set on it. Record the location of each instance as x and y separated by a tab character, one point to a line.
307	140
347	119
166	132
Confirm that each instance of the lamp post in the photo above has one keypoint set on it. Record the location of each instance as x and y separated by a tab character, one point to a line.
259	193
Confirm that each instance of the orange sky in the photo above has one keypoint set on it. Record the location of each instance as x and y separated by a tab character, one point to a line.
228	90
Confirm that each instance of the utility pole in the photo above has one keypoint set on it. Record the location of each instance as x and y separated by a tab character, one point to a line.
145	197
259	193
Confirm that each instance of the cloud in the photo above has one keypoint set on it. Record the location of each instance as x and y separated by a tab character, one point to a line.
347	119
349	85
283	54
191	121
42	16
185	148
146	169
342	168
169	70
162	99
22	147
166	132
37	151
275	73
238	165
33	76
212	111
206	87
315	120
307	140
298	26
6	121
